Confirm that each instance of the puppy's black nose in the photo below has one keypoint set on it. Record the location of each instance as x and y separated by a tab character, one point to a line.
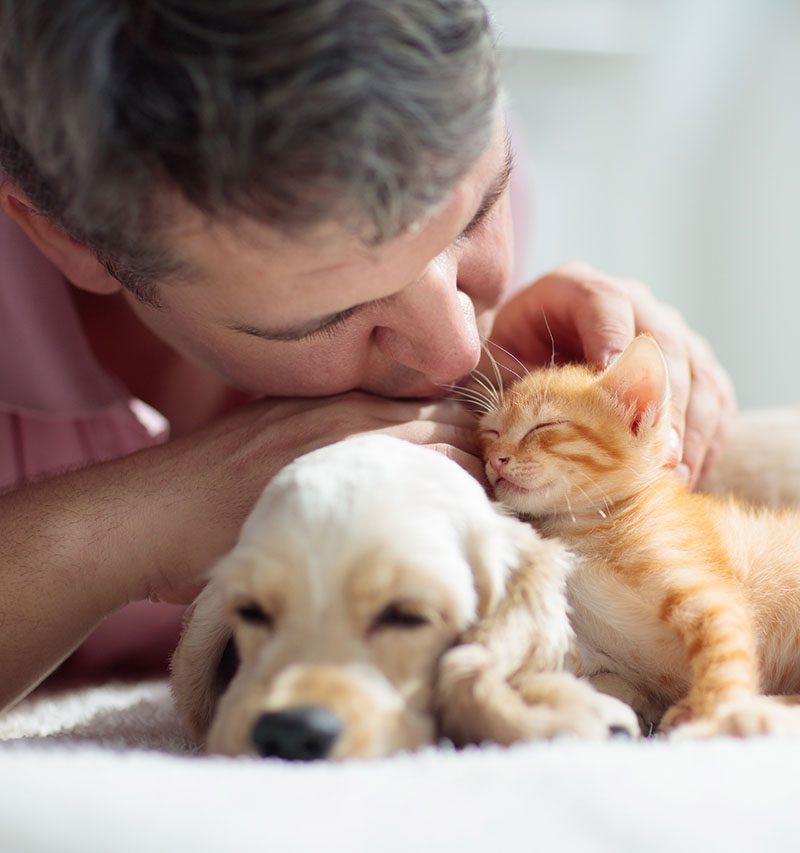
297	734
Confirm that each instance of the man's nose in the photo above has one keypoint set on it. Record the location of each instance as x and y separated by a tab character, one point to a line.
433	327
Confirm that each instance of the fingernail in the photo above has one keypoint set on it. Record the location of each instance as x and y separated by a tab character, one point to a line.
683	473
610	357
675	443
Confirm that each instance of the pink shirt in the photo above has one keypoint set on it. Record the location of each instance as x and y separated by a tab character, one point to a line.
59	409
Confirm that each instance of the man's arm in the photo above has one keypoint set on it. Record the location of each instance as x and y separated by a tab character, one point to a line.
74	548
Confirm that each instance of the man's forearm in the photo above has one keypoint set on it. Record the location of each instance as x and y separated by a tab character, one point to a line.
70	554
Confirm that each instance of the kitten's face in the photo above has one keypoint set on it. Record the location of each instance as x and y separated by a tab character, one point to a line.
565	440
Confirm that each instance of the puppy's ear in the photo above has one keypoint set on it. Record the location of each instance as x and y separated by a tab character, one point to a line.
522	624
204	661
521	581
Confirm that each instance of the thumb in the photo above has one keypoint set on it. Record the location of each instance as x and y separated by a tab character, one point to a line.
605	325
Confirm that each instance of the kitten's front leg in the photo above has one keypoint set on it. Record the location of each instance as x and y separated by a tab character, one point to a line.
748	716
716	628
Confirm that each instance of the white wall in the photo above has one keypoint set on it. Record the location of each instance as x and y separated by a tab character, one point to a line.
662	138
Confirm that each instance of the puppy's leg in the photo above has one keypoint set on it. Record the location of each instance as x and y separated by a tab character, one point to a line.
647	709
484	706
503	683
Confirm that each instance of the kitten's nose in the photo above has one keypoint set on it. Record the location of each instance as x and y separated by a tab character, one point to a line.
498	462
297	734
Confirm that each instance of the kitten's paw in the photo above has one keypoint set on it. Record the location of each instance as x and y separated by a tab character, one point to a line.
677	716
751	716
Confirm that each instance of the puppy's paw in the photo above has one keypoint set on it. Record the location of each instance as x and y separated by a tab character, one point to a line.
561	704
647	709
749	716
476	703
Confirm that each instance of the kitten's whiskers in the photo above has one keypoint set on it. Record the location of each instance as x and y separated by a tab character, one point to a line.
607	503
496	370
569	504
525	369
485	383
552	340
469	395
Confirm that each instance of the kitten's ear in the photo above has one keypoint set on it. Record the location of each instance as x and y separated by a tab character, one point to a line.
639	380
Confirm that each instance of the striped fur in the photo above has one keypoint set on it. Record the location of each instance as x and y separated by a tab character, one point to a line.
685	605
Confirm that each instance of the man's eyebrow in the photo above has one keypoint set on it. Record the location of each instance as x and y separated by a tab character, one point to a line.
490	198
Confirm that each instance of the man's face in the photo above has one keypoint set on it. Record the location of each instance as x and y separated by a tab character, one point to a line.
327	314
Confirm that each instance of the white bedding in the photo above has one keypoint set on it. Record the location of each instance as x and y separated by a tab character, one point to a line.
107	770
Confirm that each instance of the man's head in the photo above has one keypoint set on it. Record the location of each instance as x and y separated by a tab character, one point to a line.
250	170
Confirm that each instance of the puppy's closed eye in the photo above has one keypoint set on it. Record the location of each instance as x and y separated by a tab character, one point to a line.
254	614
397	615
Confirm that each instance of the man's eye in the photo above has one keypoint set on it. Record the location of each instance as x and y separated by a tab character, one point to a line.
330	328
395	616
254	614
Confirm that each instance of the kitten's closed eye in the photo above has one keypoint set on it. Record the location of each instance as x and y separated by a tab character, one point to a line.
489	433
542	426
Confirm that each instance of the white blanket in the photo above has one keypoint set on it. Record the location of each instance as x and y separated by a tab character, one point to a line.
108	769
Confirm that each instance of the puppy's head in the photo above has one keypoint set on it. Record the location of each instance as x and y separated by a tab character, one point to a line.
319	634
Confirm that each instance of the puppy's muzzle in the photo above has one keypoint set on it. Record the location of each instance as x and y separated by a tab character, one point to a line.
307	733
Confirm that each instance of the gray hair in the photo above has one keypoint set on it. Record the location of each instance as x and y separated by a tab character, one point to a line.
287	112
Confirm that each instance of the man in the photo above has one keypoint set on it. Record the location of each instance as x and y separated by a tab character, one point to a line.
303	202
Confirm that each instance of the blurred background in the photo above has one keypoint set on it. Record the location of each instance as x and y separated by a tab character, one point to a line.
660	139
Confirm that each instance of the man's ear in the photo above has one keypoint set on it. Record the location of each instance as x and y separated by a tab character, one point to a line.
76	260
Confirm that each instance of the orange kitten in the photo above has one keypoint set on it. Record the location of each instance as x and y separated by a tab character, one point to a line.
682	603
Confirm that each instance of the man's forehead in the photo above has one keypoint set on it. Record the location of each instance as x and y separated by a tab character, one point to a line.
322	248
247	275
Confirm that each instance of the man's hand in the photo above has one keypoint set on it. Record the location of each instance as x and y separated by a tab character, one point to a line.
210	479
576	313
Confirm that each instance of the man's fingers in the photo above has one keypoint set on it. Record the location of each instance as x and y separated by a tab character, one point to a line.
471	464
702	425
669	330
710	411
604	320
447	412
430	432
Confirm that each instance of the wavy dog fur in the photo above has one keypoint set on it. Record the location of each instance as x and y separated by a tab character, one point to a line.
375	580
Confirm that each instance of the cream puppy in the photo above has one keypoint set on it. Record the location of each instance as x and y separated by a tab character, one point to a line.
322	633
